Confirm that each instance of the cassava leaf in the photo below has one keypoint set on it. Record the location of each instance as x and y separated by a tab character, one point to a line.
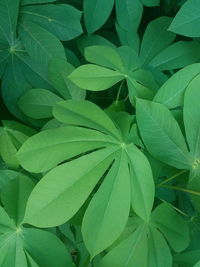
161	134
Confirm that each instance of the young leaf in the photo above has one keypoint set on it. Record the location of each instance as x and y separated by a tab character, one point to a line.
96	12
61	20
38	103
107	214
155	39
187	20
161	134
95	78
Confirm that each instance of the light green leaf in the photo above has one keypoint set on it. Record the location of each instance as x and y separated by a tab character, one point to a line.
155	39
41	45
48	148
172	226
15	195
197	264
48	208
177	55
45	248
85	113
130	252
104	56
129	14
187	20
95	78
192	117
142	184
161	134
61	20
6	224
38	103
96	12
172	92
8	20
159	253
108	211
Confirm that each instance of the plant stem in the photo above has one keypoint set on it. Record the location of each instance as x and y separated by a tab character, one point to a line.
182	189
171	178
119	91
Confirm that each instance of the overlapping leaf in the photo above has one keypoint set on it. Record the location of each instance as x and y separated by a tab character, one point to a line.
103	154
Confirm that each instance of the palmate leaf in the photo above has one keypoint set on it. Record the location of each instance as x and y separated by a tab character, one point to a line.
21	246
107	156
146	245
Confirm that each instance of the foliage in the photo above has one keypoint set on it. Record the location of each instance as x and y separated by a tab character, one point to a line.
100	133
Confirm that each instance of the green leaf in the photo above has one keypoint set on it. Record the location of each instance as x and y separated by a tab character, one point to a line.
61	20
155	39
107	214
129	14
142	184
38	103
151	3
192	117
104	56
172	226
177	55
159	252
8	150
48	148
70	192
161	134
8	20
96	12
41	45
95	78
45	248
15	195
130	252
59	69
172	92
187	20
28	2
85	113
